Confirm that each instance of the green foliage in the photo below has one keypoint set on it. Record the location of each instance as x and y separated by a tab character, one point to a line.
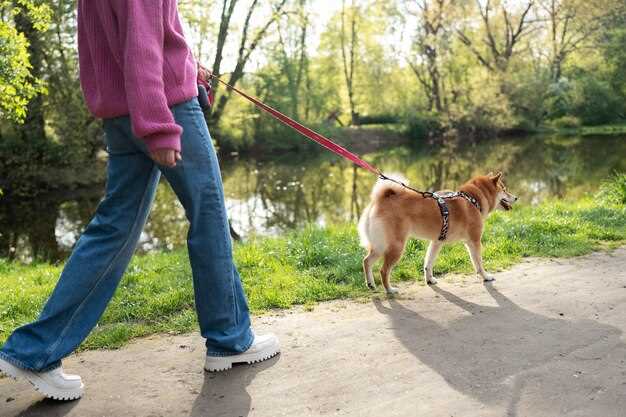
566	122
17	86
38	11
558	102
373	119
531	95
613	191
615	57
595	101
22	179
421	127
307	266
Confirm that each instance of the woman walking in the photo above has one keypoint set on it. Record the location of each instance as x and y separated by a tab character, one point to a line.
138	74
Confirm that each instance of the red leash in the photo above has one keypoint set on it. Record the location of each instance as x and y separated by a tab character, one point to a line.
305	131
313	135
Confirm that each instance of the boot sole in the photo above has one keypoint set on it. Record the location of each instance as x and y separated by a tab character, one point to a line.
39	384
224	363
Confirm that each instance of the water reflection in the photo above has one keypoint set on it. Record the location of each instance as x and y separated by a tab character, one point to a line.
271	196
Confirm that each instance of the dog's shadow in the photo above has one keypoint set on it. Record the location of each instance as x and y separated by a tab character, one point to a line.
226	393
489	352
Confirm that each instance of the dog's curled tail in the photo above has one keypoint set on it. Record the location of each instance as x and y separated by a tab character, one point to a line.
382	189
386	188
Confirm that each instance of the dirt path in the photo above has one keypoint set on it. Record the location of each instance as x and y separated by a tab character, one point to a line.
547	339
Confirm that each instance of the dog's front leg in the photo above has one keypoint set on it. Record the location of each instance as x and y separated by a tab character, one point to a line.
475	248
429	261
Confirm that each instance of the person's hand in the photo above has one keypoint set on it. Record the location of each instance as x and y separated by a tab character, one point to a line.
204	75
166	157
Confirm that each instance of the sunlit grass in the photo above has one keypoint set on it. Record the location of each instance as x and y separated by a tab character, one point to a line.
305	267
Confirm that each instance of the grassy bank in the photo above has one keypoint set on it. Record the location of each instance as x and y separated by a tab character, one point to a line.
306	267
601	130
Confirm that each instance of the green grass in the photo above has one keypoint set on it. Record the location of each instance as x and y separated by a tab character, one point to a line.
601	130
616	129
613	190
306	267
389	127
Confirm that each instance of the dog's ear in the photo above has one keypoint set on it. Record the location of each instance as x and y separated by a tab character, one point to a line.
495	178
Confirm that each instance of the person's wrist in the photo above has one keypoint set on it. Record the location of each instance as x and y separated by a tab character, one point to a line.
163	141
166	157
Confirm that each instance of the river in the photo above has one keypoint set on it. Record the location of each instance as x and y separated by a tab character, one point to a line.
271	196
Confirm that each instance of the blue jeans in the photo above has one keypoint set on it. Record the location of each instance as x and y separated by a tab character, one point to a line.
103	252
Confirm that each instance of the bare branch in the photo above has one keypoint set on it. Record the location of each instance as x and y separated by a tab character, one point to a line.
467	42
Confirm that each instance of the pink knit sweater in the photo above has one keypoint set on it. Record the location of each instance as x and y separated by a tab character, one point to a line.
134	60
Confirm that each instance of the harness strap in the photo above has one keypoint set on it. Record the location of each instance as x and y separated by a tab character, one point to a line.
445	211
445	215
471	199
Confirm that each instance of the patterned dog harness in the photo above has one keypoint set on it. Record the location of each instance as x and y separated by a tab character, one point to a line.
440	198
445	212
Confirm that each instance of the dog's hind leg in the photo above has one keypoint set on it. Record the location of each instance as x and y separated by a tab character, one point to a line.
368	264
474	248
431	256
392	255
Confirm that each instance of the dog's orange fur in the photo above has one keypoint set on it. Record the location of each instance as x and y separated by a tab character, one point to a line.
397	213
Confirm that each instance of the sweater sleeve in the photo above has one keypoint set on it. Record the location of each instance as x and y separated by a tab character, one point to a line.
142	38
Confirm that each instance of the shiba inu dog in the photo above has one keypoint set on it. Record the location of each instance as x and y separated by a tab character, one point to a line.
396	213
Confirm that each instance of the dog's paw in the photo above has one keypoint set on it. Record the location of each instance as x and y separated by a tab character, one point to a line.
392	290
488	278
371	285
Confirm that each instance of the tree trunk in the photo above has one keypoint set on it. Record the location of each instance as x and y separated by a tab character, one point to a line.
245	51
348	64
228	7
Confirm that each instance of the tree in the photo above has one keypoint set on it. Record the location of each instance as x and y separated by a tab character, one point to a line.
292	51
20	28
247	45
68	121
199	18
430	40
569	27
500	48
348	50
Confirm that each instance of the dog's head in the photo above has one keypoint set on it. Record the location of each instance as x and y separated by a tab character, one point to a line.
504	199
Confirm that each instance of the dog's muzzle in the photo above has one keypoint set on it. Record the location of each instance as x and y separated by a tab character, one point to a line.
506	205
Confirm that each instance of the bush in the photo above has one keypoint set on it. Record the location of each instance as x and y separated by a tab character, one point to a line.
613	191
566	122
422	127
475	125
529	94
376	119
595	102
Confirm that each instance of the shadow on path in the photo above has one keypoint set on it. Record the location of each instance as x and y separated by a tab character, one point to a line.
49	408
489	352
225	393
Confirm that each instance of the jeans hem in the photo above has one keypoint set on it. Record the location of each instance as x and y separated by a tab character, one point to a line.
20	364
222	354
